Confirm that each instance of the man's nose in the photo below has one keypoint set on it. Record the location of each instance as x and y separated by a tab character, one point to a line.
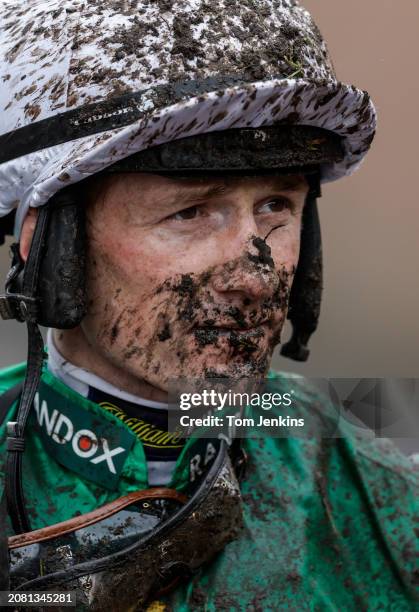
251	276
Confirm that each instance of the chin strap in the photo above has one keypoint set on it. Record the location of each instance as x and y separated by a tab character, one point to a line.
27	303
306	292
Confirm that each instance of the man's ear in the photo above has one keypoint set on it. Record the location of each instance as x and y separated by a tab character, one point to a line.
26	234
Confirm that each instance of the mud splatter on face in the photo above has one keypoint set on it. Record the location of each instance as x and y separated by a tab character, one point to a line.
165	334
238	339
203	332
264	253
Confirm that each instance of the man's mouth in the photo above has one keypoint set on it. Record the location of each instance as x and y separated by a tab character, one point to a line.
239	331
229	325
234	335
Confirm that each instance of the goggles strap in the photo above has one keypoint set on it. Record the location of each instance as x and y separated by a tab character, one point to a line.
16	429
153	539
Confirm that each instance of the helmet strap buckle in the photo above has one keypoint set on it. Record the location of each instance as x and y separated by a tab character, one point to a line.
14	304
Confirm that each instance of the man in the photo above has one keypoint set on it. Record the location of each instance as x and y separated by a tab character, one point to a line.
160	163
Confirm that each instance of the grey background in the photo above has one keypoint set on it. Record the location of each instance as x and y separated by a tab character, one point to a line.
369	324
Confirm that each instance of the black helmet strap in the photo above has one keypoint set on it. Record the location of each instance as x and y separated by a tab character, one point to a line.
306	292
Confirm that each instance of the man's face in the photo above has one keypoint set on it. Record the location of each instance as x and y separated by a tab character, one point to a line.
181	281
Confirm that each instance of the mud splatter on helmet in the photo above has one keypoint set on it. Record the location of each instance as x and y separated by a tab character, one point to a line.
88	84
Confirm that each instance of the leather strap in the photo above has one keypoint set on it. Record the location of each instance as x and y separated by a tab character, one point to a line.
16	429
84	520
6	402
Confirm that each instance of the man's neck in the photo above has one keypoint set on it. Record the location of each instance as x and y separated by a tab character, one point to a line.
74	347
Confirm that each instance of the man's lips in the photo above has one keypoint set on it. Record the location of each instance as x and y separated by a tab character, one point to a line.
235	341
254	331
229	326
235	330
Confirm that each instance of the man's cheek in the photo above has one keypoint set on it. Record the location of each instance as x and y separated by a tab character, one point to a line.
285	247
277	328
142	328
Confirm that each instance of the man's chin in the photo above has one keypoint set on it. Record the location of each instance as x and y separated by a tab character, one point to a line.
210	362
237	368
246	360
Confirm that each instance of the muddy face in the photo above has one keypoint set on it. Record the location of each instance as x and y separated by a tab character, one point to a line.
181	281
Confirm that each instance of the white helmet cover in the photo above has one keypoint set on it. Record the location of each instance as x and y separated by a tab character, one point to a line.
85	83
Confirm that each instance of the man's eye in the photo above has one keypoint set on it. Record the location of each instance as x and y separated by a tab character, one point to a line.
275	205
185	214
